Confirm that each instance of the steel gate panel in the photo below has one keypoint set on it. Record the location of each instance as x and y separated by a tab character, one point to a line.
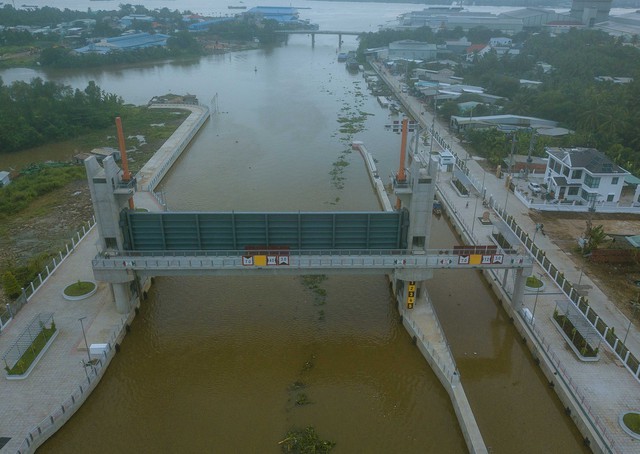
190	231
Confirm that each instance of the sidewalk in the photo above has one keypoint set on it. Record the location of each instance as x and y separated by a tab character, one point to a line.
25	403
605	388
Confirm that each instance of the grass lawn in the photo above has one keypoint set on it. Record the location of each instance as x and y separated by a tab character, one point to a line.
79	288
632	421
533	282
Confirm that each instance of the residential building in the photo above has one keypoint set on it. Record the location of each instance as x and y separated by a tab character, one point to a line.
583	175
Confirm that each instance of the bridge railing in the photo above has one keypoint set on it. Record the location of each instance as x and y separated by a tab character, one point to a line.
320	259
294	252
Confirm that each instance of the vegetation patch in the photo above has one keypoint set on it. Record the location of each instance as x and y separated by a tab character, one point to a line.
534	282
302	399
32	352
632	422
578	341
305	441
80	288
312	283
460	187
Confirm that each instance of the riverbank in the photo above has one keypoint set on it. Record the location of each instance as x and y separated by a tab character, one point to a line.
585	389
37	407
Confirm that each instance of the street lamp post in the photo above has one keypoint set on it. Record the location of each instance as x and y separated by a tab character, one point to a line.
475	208
633	315
535	303
86	344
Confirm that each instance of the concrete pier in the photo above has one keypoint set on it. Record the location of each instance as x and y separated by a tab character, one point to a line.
423	326
156	168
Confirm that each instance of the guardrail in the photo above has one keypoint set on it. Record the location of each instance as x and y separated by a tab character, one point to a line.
360	259
630	361
56	419
14	307
578	396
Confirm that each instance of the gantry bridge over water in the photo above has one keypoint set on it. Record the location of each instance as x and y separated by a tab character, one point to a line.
313	34
137	245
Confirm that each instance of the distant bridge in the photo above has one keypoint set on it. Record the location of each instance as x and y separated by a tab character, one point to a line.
313	34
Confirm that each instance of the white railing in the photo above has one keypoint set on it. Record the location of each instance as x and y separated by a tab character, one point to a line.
578	396
27	293
56	419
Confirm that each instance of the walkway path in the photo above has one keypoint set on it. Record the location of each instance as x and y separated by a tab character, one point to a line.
28	404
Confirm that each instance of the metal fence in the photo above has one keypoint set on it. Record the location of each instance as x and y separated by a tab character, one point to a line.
11	309
25	342
95	370
572	386
630	361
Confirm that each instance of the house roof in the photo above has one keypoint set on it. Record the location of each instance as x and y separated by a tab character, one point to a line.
475	48
632	179
588	158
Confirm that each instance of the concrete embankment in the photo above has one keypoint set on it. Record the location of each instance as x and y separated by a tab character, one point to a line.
35	409
423	326
596	414
374	177
157	167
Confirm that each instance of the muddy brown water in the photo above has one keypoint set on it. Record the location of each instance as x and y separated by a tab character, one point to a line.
211	364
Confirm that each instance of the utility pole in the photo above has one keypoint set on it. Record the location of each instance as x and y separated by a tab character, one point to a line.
532	144
513	147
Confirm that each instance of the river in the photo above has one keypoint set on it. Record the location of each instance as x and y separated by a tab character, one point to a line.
220	364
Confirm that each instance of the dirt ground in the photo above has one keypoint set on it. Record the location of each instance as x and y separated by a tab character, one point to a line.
617	281
46	226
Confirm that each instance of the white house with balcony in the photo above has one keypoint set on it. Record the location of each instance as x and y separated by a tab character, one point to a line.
583	175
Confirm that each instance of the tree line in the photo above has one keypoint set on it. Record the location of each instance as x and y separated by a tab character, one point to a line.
603	114
38	112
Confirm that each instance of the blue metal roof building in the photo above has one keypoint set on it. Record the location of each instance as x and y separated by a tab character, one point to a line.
125	42
204	25
281	14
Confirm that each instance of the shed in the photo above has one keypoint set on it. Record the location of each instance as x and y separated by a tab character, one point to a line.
4	178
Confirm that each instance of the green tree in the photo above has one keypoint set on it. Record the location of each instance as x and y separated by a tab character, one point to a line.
10	285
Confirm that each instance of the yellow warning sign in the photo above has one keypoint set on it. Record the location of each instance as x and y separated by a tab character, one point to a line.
409	305
260	260
412	288
411	300
475	259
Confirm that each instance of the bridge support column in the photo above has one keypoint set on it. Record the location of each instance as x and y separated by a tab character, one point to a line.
518	288
122	297
313	40
339	40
